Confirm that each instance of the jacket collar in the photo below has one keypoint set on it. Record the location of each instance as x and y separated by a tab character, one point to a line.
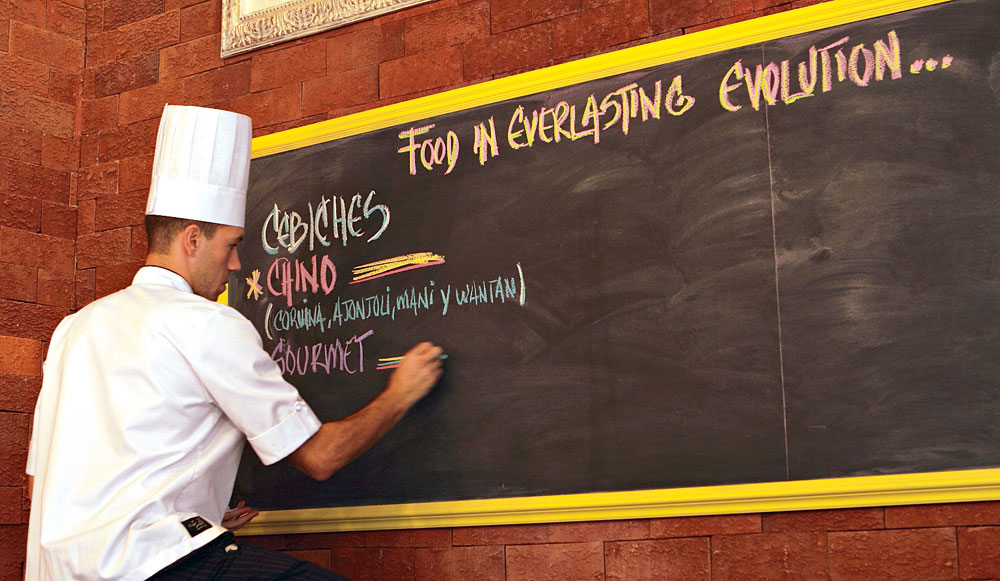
160	275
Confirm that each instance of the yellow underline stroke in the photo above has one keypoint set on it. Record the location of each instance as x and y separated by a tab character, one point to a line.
416	257
382	266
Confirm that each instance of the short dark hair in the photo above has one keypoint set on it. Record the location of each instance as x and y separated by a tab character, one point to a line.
161	230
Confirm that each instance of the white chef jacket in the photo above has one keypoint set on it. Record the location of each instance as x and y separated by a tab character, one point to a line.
147	397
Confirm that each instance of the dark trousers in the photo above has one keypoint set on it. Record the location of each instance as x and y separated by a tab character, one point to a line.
222	560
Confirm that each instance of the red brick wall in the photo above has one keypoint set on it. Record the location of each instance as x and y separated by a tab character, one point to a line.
958	541
82	83
41	61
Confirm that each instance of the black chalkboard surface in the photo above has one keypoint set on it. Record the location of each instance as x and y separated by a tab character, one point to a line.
776	262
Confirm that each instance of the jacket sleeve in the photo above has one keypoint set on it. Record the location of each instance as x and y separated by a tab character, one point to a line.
248	387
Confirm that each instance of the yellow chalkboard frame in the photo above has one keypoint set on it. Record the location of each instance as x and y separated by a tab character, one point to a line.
887	490
923	488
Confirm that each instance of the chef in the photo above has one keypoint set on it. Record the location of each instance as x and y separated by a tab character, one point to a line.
150	393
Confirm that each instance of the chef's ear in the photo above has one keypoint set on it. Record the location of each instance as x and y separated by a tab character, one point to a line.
191	239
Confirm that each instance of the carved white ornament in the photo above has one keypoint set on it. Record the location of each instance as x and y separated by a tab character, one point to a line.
247	25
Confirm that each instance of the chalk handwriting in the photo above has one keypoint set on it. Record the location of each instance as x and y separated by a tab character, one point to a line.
930	64
820	70
498	290
294	319
253	285
285	276
485	143
417	300
619	107
331	218
322	357
346	310
767	83
431	152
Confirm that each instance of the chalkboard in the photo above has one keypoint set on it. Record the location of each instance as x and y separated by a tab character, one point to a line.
770	263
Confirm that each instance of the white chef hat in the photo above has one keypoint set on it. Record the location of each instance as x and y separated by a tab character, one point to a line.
201	166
